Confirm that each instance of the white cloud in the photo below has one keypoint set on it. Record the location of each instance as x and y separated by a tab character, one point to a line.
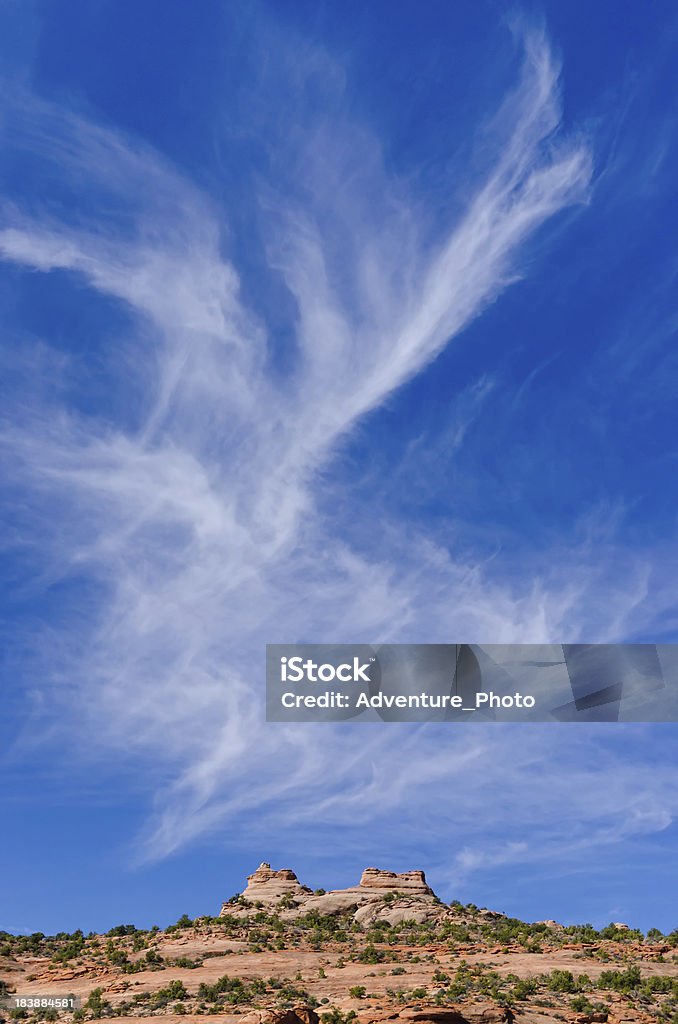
201	526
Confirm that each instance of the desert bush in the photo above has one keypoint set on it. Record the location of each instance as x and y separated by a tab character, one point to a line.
620	981
184	922
236	991
611	931
337	1016
186	962
96	1004
523	988
371	955
175	990
582	933
561	981
580	1004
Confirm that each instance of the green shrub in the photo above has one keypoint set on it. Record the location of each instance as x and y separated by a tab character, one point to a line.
371	955
186	962
611	931
175	990
523	988
96	1003
620	981
336	1016
561	981
235	991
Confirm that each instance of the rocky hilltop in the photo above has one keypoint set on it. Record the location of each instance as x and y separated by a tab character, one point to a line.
383	895
384	951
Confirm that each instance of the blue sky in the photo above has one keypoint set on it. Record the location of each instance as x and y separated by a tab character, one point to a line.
330	322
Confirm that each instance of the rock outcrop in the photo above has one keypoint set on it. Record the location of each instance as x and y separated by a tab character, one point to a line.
469	1013
293	1015
268	886
383	895
410	883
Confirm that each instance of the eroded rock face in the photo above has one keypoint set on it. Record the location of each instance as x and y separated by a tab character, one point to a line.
411	898
268	886
402	909
469	1013
408	882
294	1015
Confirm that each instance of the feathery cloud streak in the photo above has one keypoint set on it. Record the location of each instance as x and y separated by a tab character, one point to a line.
199	521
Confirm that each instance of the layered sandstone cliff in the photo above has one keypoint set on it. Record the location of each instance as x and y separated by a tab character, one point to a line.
379	894
410	883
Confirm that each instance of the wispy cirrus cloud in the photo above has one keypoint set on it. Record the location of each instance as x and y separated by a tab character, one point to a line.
196	519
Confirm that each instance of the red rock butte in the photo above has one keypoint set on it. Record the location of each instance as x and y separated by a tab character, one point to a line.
408	882
410	895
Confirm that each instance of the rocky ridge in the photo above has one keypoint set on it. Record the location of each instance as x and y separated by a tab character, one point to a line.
269	960
379	895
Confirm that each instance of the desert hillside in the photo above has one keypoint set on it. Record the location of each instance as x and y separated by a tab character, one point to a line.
386	949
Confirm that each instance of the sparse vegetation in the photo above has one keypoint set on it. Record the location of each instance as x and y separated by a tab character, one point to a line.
336	1016
434	951
371	955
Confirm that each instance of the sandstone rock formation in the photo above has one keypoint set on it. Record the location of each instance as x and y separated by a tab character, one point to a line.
469	1013
410	883
293	1015
379	894
268	886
